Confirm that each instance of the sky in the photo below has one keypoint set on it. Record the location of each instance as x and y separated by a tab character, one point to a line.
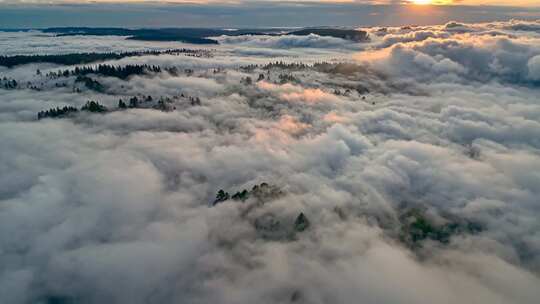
436	2
243	13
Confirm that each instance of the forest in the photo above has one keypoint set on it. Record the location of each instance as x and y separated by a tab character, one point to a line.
83	58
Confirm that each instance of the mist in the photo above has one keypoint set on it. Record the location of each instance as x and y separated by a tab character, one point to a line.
423	128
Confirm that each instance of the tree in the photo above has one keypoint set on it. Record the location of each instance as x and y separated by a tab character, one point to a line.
240	196
133	102
122	104
301	223
221	197
90	83
57	112
94	107
195	101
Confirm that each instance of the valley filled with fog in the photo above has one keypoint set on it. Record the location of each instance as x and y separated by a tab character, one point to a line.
269	168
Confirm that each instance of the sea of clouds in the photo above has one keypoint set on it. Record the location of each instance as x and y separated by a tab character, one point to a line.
116	208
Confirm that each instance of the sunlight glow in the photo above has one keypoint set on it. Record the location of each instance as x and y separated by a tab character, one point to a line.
431	2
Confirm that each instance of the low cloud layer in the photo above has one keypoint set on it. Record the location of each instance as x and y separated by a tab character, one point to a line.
432	127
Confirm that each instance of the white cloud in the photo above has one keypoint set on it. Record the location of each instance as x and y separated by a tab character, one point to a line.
114	208
534	68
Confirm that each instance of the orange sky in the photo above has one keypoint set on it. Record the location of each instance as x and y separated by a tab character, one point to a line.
438	2
495	2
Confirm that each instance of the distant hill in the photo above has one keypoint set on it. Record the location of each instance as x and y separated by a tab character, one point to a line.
200	35
82	58
187	35
353	35
195	36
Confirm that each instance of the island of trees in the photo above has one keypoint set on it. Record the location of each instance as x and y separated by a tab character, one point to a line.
122	72
83	58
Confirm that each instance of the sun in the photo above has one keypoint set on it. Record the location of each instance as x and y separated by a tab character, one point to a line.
431	2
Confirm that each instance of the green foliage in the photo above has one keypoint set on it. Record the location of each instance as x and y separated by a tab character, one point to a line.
221	197
122	104
8	83
134	102
260	192
83	58
195	101
353	35
59	300
301	223
57	112
247	81
240	196
285	78
122	72
417	227
285	66
94	107
90	83
421	229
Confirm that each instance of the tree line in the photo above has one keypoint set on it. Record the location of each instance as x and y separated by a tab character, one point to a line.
8	83
58	112
163	103
122	72
83	58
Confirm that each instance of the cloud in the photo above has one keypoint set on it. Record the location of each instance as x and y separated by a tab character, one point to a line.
534	68
288	41
115	207
435	52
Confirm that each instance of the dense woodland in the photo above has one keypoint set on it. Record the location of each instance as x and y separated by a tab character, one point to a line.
57	112
82	76
8	83
200	35
89	106
163	103
83	58
122	72
347	34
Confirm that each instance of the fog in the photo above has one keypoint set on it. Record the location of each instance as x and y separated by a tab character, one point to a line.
440	123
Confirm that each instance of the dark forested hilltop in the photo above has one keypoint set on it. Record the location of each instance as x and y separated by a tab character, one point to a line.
83	58
200	35
183	35
184	32
347	34
187	35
